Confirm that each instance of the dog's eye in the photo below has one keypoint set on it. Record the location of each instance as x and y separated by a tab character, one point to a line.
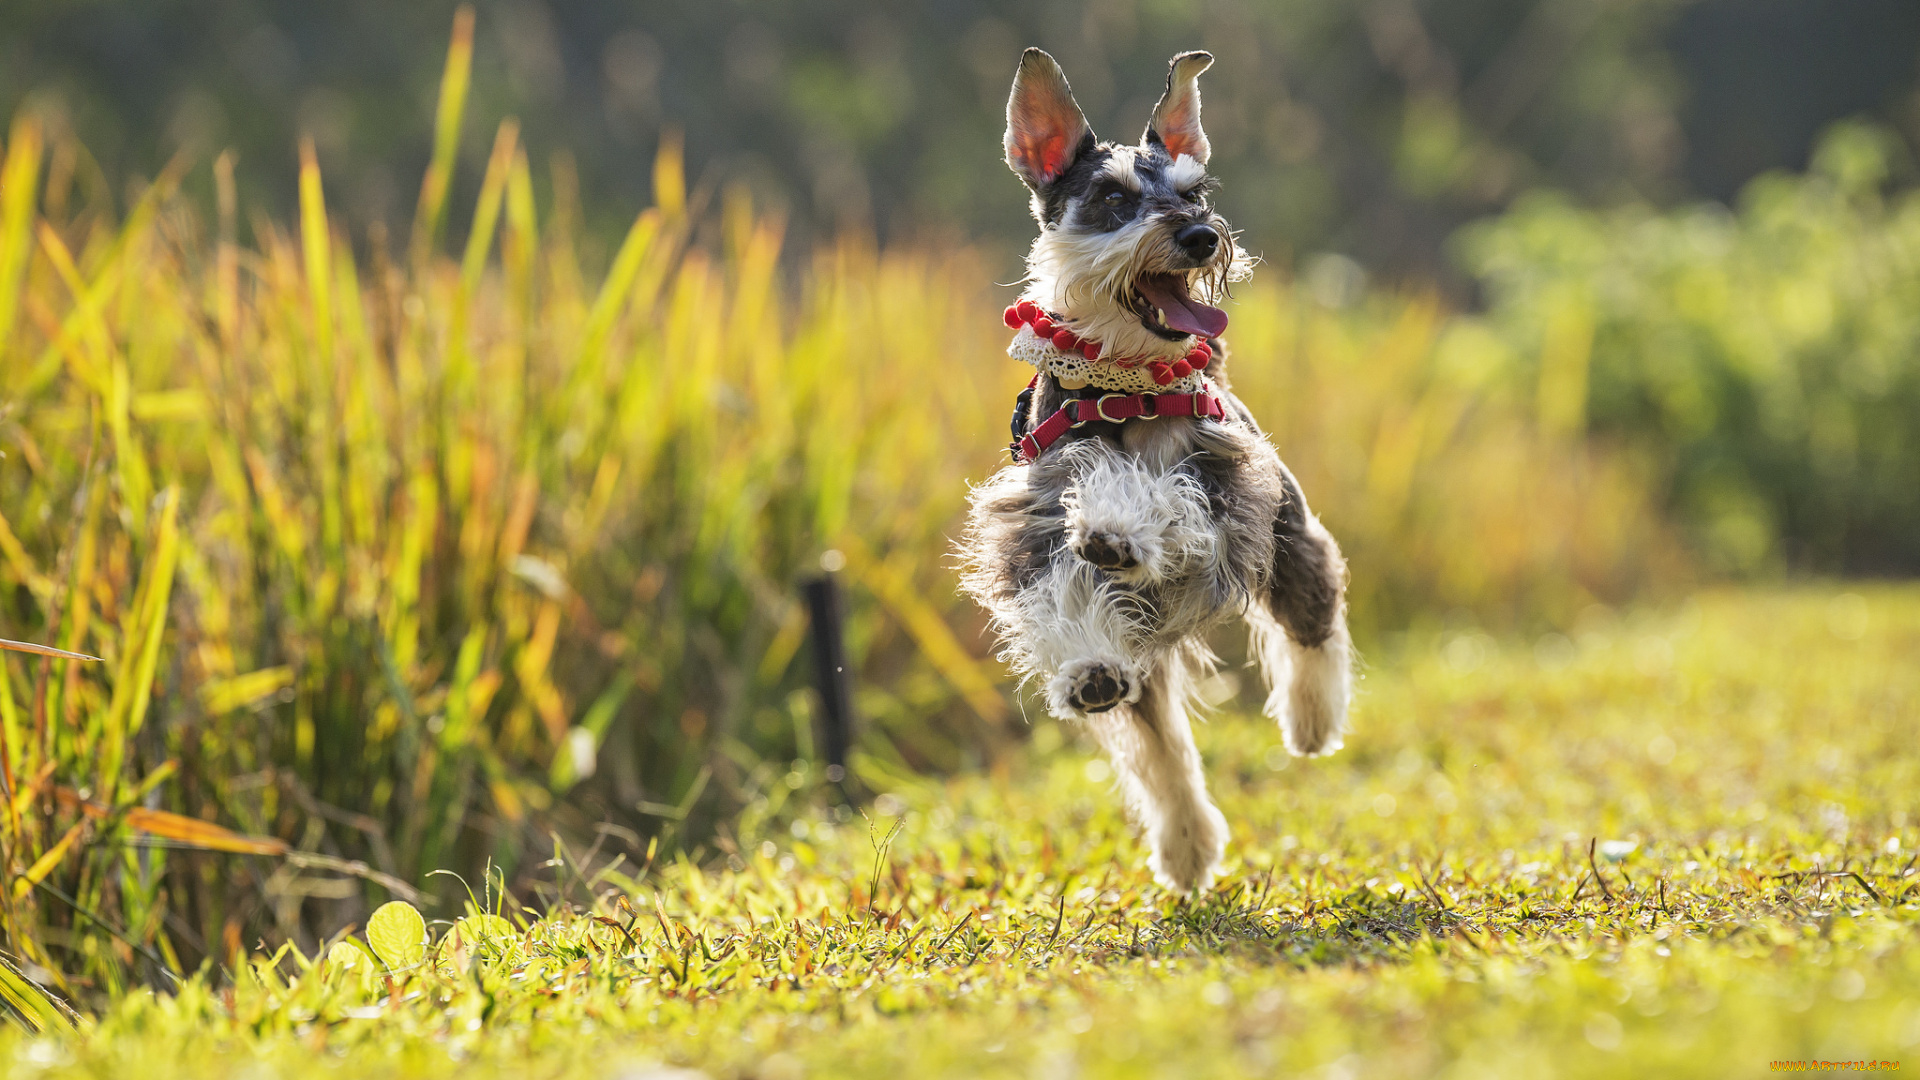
1194	195
1115	199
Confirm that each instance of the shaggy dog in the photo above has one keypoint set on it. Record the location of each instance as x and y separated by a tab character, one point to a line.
1145	505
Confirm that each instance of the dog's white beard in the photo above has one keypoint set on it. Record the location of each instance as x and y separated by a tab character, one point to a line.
1082	276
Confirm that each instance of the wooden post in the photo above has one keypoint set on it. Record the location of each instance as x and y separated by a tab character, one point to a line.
831	677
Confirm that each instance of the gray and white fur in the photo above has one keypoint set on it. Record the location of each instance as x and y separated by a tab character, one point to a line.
1104	563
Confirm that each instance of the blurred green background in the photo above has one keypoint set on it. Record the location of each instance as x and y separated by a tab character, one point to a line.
1372	129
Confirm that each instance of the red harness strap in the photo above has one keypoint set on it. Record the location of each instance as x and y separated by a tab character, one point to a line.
1114	408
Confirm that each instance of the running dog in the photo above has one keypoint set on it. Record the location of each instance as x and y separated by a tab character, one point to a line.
1145	505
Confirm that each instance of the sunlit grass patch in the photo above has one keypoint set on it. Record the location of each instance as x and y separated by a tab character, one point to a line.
1671	843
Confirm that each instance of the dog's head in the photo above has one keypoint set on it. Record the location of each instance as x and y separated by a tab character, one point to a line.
1131	252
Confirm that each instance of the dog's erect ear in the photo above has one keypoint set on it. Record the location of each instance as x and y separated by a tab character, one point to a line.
1045	128
1176	120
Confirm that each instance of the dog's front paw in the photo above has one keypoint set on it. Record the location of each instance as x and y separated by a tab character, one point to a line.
1109	551
1100	690
1087	687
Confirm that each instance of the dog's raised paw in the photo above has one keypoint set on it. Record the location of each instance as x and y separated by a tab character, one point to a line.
1087	685
1100	688
1108	552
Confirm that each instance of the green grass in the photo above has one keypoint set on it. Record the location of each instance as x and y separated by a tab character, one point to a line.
1422	904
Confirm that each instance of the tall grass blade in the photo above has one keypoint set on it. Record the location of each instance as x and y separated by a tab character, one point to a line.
670	175
35	874
447	117
486	214
39	1010
19	179
316	244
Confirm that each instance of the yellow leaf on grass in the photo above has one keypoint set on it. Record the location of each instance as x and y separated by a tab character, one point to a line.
398	935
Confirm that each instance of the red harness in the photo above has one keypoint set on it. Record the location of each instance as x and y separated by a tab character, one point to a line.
1112	408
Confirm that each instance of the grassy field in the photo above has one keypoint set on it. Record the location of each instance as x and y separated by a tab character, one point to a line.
407	553
402	562
407	549
1671	843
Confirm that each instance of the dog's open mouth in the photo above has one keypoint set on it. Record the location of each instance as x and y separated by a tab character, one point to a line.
1165	305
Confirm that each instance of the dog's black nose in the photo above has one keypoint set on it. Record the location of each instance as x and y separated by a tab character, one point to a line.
1198	241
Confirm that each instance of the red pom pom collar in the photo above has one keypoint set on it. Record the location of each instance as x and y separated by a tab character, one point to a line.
1027	313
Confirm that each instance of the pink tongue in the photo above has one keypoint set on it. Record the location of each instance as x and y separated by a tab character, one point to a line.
1168	292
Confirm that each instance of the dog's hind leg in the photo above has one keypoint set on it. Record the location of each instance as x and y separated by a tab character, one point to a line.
1152	749
1299	631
